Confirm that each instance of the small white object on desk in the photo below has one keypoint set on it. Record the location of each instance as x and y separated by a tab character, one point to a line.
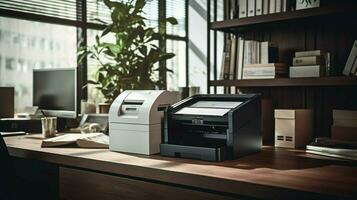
293	128
135	121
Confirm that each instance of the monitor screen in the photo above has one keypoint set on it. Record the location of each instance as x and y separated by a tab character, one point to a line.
54	92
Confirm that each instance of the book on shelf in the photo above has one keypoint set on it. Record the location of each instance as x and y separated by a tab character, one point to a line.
239	53
225	62
351	62
233	57
308	60
88	140
265	71
309	53
306	71
276	65
239	58
269	52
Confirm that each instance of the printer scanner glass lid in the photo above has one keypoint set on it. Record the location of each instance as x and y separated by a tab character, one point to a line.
212	108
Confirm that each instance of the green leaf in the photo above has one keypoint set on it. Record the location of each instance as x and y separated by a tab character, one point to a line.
107	30
166	56
100	77
100	21
97	39
139	5
92	82
172	20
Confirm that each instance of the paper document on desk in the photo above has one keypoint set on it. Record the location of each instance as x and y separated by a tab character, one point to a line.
212	108
89	140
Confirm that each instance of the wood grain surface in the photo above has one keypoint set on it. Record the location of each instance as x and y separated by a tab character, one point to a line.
272	174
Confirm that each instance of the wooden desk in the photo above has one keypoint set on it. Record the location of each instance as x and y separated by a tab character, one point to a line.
271	174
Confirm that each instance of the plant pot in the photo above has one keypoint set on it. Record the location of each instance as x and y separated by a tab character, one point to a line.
103	108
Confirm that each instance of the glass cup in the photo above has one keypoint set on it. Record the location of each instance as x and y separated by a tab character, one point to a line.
49	126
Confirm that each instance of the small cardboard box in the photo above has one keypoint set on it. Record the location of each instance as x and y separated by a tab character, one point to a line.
293	128
344	133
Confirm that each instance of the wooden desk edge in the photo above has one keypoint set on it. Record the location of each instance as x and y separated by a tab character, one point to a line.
209	184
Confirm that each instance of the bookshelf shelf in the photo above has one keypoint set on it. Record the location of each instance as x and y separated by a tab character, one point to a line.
288	82
238	24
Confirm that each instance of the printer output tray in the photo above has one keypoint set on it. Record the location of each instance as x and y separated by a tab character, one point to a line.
201	153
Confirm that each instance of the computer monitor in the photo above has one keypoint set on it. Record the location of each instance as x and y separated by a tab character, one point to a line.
55	92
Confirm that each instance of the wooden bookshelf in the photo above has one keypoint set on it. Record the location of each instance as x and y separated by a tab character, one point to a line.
332	27
243	23
288	82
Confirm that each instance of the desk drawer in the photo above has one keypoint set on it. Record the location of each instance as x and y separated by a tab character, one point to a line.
78	184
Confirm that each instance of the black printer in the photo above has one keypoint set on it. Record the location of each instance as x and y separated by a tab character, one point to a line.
213	127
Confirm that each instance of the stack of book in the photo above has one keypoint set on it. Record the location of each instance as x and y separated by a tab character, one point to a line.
265	71
251	8
308	64
344	125
333	148
351	64
240	54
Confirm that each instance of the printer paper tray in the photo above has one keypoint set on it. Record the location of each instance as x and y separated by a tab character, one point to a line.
202	153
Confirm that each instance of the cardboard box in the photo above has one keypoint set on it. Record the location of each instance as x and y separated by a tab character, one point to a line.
344	133
345	118
293	128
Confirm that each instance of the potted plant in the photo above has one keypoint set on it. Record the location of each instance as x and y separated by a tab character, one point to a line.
129	61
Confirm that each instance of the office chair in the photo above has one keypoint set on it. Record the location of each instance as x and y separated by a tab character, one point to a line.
5	172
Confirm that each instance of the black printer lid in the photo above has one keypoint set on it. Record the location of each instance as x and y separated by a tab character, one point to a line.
210	105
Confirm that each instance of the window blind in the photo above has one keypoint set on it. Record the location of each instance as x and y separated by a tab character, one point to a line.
61	9
97	10
69	12
176	9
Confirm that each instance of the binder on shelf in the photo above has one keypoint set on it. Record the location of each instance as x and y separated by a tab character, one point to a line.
278	6
233	11
251	8
242	8
265	7
284	5
272	6
258	7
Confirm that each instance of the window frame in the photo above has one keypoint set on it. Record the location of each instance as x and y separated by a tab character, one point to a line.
82	27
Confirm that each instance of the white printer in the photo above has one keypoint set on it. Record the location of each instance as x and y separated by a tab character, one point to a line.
135	121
